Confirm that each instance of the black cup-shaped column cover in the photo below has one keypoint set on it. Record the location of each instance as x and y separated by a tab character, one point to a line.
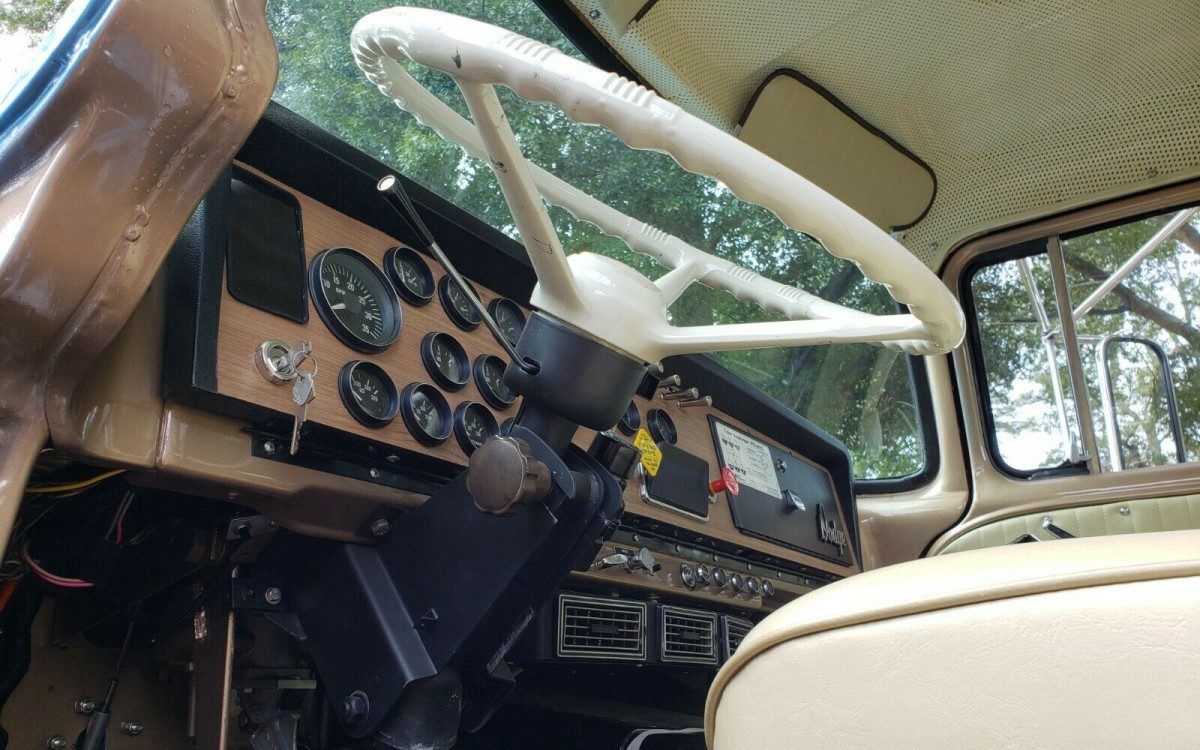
573	377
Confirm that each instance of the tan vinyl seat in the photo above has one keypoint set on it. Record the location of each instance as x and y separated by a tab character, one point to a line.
1079	643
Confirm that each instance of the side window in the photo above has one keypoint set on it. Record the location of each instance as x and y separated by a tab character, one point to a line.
1117	382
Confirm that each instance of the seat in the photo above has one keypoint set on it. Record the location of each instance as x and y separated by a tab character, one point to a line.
1079	643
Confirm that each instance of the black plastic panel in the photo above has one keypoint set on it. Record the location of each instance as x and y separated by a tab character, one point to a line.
265	259
681	481
781	497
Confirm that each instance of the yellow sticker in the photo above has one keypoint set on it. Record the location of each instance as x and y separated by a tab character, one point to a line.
651	455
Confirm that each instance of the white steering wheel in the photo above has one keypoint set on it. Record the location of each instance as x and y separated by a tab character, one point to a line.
604	298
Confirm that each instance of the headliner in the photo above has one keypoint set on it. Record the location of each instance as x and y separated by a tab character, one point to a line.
1021	107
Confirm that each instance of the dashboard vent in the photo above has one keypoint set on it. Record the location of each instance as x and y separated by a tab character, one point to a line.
735	630
594	628
688	635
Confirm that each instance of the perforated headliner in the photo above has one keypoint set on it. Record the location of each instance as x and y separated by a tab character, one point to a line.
1021	107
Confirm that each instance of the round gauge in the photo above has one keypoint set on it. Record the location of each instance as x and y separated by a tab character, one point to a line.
355	299
489	379
768	588
410	274
661	426
446	360
631	421
473	424
426	413
457	305
508	317
368	393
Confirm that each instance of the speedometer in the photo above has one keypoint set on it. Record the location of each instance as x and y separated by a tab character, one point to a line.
355	299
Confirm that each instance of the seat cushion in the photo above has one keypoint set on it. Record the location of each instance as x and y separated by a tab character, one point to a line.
1080	643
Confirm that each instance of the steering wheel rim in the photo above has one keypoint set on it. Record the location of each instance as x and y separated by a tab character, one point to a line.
602	297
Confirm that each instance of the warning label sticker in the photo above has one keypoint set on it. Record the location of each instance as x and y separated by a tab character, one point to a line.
750	459
651	455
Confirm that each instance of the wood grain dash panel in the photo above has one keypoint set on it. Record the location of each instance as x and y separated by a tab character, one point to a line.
243	328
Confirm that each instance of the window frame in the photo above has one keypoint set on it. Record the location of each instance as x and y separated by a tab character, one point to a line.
1027	248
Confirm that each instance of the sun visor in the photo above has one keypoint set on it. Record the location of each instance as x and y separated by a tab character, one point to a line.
804	127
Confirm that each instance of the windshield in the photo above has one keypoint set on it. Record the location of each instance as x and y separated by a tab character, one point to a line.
861	394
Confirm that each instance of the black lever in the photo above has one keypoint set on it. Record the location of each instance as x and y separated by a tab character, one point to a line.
397	197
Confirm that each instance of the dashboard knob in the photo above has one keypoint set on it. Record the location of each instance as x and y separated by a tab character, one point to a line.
687	575
503	474
768	588
720	577
737	582
703	574
753	587
643	560
613	560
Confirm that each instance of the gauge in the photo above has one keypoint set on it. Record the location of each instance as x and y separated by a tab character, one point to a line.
368	393
489	379
508	317
631	421
355	299
661	426
457	305
446	360
473	424
426	413
410	274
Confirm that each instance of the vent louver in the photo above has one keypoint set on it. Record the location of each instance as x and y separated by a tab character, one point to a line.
594	628
688	635
735	630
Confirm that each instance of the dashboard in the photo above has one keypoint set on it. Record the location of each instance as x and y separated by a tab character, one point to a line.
285	283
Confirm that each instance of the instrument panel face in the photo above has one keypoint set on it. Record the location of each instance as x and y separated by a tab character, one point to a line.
373	299
425	376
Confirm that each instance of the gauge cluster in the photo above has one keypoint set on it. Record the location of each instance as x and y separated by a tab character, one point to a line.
364	304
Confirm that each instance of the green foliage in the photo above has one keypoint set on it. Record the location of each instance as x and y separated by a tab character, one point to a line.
34	16
861	394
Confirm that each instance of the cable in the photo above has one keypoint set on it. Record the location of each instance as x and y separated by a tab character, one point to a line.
69	486
116	529
52	579
93	736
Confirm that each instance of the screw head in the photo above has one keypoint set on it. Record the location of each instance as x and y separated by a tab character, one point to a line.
375	473
57	742
132	728
85	706
593	14
273	595
269	448
354	707
380	527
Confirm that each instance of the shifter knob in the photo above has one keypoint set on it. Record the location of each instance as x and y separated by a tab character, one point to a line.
503	474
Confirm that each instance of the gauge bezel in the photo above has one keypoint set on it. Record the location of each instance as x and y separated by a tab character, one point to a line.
460	424
410	418
431	366
656	420
393	274
513	307
335	326
630	421
346	391
443	290
493	399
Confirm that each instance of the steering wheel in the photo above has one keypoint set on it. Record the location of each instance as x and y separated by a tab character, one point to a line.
602	297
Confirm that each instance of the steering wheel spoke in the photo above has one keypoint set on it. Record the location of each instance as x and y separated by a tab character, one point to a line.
607	300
